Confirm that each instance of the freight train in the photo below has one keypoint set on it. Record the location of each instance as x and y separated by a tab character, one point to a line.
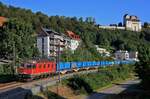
43	68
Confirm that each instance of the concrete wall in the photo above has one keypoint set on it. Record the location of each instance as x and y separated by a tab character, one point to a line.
112	27
46	45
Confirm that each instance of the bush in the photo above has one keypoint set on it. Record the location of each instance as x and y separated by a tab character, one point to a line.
52	95
94	81
143	71
7	73
143	67
77	83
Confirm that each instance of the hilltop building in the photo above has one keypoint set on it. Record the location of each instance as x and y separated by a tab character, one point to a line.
131	23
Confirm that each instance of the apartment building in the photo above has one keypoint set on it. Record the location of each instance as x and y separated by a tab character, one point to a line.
125	55
122	55
49	42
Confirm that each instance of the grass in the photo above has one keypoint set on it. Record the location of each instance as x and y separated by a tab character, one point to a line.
93	81
85	84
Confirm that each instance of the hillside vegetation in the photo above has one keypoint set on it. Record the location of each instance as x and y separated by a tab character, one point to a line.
21	31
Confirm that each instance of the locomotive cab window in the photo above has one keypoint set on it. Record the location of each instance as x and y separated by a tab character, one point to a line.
22	65
40	66
52	66
29	66
48	65
34	65
44	66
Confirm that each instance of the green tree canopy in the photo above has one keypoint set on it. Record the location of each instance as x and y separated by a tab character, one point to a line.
18	35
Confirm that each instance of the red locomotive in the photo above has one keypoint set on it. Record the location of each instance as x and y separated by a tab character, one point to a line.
35	69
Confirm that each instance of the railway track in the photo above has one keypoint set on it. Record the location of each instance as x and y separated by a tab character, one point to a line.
10	86
6	84
28	85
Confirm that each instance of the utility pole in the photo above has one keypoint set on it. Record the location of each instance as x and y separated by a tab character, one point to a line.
58	66
14	59
58	61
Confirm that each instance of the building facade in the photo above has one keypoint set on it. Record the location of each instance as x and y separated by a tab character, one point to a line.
125	55
49	42
133	55
122	55
132	23
74	40
102	51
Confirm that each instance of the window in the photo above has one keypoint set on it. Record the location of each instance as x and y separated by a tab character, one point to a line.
42	46
22	65
34	66
44	65
48	65
29	66
40	66
135	29
52	66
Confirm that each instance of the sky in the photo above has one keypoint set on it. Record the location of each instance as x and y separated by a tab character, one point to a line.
104	11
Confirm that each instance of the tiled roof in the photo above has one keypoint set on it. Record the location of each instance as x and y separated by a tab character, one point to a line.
45	29
72	35
50	31
2	20
42	32
47	32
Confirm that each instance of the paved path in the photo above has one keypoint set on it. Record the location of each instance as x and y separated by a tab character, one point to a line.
114	90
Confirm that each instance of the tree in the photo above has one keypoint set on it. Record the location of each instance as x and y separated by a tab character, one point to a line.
120	24
23	29
81	19
19	34
143	67
90	20
146	24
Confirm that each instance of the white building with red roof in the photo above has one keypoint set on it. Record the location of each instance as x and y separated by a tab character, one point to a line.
2	20
74	40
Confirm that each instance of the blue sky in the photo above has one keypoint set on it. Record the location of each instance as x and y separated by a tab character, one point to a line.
104	11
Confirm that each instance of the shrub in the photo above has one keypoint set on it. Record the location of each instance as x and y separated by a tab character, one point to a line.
93	81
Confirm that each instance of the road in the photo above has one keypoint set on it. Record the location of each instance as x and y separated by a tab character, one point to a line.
114	90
